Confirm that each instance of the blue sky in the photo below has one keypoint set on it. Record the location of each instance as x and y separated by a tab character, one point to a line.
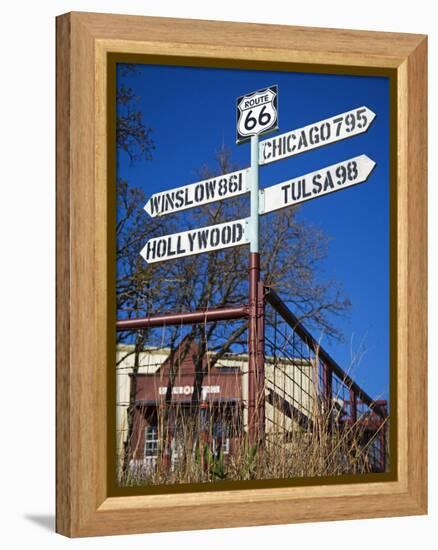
192	112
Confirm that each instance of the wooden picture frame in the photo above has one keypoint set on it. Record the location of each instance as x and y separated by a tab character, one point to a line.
84	43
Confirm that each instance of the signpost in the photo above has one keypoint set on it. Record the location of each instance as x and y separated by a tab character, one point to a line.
257	113
342	126
315	184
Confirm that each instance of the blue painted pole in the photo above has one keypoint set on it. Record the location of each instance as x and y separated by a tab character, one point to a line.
254	189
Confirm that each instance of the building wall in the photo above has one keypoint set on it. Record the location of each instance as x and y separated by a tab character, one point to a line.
150	361
291	381
294	384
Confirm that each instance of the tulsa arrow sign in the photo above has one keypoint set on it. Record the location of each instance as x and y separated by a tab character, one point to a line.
321	182
187	243
197	194
324	132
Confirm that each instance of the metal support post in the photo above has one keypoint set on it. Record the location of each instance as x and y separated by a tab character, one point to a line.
383	442
260	372
353	406
166	435
327	387
203	434
254	367
254	278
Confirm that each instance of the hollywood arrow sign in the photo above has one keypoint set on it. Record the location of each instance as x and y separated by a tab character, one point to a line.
260	106
187	243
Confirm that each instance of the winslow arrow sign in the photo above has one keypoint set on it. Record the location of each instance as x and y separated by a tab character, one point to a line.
321	182
324	132
197	194
187	243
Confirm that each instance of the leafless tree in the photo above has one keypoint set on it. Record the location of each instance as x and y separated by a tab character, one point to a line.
291	253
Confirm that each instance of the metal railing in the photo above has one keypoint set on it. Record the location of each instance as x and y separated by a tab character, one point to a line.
316	389
303	401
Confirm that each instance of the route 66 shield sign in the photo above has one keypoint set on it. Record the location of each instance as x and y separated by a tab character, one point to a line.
257	113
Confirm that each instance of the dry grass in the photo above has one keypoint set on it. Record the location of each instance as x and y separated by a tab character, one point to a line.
325	448
306	434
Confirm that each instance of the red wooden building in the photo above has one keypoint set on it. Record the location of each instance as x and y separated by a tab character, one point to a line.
167	404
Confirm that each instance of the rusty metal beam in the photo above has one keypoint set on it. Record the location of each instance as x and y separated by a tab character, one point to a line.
168	319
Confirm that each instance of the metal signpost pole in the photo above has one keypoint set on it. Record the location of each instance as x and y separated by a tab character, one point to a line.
255	369
261	360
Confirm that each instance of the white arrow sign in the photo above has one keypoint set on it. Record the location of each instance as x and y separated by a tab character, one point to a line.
199	193
321	182
187	243
315	135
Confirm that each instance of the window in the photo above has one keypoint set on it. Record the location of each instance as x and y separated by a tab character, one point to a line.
151	442
221	437
221	446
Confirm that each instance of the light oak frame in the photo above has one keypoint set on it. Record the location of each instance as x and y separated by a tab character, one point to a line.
83	505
